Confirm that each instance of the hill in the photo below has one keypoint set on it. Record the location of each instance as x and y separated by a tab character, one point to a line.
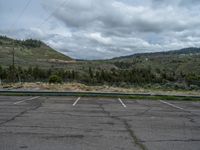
30	52
185	60
184	51
172	69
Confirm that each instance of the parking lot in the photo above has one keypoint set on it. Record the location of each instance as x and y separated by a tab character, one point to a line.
90	123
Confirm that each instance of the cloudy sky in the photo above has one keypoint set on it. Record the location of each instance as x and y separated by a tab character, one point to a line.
101	29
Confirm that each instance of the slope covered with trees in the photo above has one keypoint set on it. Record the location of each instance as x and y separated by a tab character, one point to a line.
29	52
178	69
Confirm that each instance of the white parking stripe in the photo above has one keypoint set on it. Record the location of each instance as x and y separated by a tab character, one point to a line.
76	101
26	100
121	102
172	105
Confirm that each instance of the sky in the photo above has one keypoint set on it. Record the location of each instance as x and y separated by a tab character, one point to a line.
103	29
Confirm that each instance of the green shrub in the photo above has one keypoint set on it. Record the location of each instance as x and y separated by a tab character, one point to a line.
194	87
55	79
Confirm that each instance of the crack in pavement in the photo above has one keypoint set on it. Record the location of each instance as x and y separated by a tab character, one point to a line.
175	140
78	136
56	127
134	138
143	112
46	135
20	114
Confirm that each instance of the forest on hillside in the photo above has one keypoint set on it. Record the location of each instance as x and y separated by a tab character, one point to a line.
179	69
113	77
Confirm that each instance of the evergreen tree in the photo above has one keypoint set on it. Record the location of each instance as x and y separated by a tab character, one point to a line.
1	72
91	73
36	72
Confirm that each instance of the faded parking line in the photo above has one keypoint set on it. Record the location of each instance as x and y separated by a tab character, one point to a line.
172	105
76	101
26	100
119	99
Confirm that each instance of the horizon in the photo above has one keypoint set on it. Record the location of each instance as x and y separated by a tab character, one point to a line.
107	58
99	30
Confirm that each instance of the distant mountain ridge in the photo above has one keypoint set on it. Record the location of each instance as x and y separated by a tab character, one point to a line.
189	50
186	61
30	52
177	69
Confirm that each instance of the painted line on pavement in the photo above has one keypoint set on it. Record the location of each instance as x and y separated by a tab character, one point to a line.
26	100
119	99
172	105
76	101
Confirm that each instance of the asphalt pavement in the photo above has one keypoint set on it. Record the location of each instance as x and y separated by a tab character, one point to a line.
89	123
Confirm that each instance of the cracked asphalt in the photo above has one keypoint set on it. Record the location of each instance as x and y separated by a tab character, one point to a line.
53	123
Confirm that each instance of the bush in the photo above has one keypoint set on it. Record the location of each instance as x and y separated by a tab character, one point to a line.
55	79
194	87
31	43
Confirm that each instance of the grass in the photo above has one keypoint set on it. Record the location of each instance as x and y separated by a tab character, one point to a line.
77	87
43	56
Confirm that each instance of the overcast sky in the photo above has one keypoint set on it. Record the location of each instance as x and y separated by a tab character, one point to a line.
100	29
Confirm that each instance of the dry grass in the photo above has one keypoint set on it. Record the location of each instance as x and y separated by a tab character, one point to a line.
77	87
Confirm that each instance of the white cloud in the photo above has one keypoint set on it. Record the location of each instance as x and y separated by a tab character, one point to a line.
94	29
98	37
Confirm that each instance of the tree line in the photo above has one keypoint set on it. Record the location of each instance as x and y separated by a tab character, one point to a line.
93	76
29	43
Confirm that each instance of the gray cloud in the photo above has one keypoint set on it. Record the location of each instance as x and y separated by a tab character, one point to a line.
99	29
95	14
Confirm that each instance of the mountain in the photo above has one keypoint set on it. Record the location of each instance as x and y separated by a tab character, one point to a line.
184	51
30	52
33	52
171	69
185	60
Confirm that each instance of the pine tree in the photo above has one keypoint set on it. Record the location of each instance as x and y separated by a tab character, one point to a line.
91	73
36	73
1	71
